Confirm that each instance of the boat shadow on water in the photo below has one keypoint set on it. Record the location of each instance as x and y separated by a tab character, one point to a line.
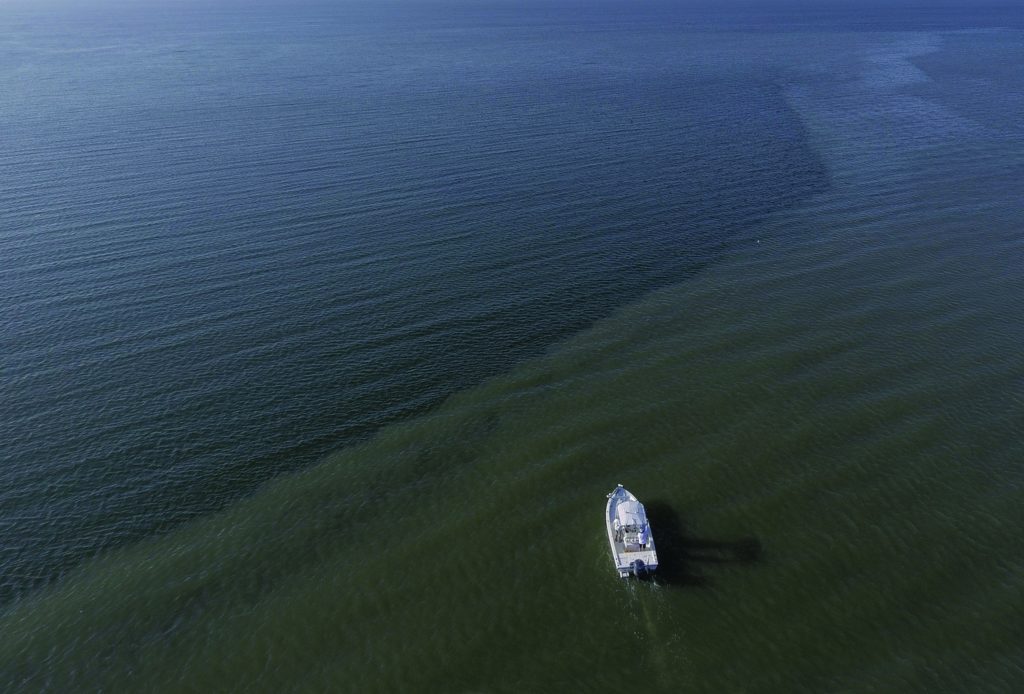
683	558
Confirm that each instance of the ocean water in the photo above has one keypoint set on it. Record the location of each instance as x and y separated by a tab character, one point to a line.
327	330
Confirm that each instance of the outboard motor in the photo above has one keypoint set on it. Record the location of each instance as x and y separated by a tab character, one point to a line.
639	568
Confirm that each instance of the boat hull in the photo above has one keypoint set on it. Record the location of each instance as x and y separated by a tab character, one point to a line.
630	558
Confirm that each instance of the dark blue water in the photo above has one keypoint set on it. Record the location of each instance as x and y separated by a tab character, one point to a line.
235	240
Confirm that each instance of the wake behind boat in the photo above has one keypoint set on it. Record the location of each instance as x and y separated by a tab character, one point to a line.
629	534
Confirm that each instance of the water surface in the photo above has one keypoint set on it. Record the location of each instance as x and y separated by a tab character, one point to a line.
767	276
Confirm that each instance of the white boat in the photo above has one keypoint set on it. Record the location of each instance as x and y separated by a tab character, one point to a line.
629	534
